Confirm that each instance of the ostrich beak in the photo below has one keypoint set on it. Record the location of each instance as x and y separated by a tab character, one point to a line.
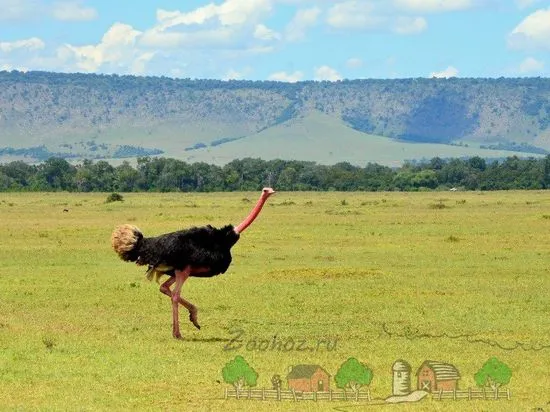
268	191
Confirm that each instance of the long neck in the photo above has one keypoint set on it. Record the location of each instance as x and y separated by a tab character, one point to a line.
253	214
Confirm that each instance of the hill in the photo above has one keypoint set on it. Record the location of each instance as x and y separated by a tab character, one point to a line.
382	121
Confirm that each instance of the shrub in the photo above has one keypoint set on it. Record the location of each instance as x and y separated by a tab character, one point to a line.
114	197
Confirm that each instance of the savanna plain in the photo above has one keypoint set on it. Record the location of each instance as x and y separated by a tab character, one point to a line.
456	277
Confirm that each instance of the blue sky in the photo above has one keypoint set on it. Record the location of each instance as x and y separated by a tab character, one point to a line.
288	40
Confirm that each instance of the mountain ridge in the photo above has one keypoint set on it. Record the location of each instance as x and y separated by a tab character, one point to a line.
94	116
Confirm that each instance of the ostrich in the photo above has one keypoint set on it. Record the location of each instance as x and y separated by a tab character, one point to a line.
195	252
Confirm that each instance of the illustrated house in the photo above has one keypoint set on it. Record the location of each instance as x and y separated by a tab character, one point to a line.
308	378
435	376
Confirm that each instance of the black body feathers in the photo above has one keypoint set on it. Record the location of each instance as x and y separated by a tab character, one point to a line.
203	247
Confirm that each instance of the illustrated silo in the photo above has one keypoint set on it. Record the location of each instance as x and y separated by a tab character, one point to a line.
401	378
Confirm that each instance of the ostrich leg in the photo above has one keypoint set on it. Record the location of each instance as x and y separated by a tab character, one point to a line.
181	277
165	288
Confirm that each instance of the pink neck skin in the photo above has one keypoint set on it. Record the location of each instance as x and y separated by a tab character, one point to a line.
255	212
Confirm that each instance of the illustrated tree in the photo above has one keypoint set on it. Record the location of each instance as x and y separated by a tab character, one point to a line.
493	374
353	374
239	373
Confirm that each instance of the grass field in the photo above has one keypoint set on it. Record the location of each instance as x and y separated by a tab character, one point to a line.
453	277
311	138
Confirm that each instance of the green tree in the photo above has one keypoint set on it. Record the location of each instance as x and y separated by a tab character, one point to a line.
353	374
94	177
251	174
287	179
453	172
6	182
20	172
207	178
436	163
478	163
403	180
55	174
425	178
312	177
493	374
375	177
84	178
546	173
104	175
239	373
126	177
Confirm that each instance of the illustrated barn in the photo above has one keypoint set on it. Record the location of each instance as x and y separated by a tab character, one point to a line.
308	378
435	376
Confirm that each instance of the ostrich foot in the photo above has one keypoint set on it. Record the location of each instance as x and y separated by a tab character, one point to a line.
176	334
193	317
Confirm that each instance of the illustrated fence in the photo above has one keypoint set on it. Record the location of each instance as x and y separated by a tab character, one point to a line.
293	395
472	394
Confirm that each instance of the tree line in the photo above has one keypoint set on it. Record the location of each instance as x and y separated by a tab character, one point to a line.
248	174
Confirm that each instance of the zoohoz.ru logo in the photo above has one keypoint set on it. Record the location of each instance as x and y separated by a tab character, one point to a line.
276	343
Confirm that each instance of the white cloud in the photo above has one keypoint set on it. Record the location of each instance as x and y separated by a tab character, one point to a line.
216	35
363	15
167	19
199	39
317	2
354	63
326	73
73	11
301	22
33	43
67	10
19	9
354	14
232	24
229	13
232	75
286	77
115	49
445	74
200	42
435	5
531	65
139	65
261	32
237	75
410	25
9	68
533	32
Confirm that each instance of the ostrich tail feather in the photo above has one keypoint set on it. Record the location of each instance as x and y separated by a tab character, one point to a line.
153	275
125	241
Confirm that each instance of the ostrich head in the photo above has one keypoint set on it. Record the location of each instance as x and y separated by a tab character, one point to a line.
267	191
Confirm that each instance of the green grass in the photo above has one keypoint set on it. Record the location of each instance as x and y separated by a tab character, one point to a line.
326	139
315	137
384	275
